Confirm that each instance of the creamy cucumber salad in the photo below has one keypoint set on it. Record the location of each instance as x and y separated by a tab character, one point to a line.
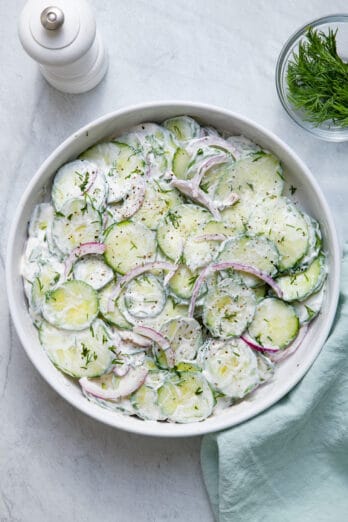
171	270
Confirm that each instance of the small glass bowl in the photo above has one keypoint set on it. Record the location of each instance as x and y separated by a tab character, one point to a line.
327	130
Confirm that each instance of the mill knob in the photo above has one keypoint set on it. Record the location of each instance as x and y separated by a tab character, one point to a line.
63	38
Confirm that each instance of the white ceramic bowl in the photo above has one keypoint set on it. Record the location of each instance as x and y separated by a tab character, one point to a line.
309	196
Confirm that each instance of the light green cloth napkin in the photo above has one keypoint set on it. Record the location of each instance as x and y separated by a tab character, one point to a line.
290	463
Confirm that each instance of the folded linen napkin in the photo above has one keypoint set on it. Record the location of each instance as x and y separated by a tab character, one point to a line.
290	463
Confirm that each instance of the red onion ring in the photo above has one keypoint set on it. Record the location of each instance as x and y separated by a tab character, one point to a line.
186	187
236	266
211	141
131	381
253	344
83	250
155	265
154	335
135	338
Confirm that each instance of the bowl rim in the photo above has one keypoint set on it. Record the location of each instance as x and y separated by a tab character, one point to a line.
153	428
323	134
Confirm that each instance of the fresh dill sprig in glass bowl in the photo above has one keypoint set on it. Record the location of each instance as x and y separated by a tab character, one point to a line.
312	77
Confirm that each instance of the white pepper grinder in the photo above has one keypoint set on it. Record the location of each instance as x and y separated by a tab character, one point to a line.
62	37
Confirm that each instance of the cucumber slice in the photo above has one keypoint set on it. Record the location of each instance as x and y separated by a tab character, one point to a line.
237	216
35	256
145	296
72	306
94	271
115	317
112	388
48	276
104	155
280	221
187	398
124	172
182	282
41	220
185	366
243	146
199	250
256	251
118	161
314	241
197	253
228	309
254	177
260	292
219	227
74	180
300	285
129	245
309	309
157	144
231	368
40	227
177	225
77	222
145	403
170	310
275	323
185	337
265	366
181	161
155	377
184	128
159	198
79	354
131	201
212	179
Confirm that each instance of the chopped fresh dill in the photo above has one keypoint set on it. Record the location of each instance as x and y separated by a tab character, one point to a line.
259	154
84	183
87	355
317	79
174	219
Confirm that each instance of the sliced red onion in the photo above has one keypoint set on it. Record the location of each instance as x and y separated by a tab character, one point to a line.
186	187
236	266
204	167
250	270
277	354
134	338
258	347
83	250
154	265
210	141
169	276
153	334
170	356
210	237
128	384
159	339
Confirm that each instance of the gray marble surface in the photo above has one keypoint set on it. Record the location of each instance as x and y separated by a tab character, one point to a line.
55	463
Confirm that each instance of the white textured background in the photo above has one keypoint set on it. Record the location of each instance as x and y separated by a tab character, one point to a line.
55	463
